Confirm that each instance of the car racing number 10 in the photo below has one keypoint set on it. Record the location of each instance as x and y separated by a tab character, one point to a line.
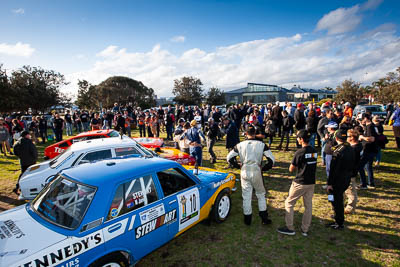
189	208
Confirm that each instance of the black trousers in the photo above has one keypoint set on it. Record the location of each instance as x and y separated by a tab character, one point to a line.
287	135
23	169
338	205
58	133
142	130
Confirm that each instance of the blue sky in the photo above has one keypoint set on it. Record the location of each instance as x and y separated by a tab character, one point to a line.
224	43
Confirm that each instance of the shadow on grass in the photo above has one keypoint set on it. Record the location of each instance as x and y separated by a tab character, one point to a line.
10	201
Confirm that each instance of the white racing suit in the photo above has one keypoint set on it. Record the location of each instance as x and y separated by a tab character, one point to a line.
251	153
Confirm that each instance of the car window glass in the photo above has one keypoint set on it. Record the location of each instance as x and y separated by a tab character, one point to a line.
64	202
65	144
123	151
58	160
96	155
132	195
113	134
174	180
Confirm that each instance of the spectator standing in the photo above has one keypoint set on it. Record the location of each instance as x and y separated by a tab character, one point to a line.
327	116
348	111
194	136
330	143
120	123
58	125
95	122
169	124
142	125
4	136
232	133
299	120
340	175
77	120
379	131
16	130
370	151
287	128
305	164
277	117
396	125
311	126
26	151
351	192
43	129
68	123
128	121
211	131
251	153
85	119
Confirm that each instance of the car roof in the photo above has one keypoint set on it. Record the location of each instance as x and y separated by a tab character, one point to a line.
99	173
102	143
95	132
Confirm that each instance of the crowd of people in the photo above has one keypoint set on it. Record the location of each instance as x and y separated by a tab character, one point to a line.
349	145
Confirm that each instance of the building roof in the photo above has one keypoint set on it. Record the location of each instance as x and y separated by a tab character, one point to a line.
236	91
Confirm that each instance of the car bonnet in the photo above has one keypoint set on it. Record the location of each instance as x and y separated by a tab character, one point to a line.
21	236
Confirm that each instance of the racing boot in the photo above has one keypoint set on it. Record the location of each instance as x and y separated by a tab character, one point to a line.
247	219
264	217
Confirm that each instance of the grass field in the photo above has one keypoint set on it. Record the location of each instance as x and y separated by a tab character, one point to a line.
371	236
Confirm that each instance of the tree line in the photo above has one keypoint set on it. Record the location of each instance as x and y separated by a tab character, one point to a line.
37	89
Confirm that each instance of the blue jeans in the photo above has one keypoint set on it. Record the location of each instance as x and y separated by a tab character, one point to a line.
366	162
379	155
85	126
323	155
68	127
196	152
312	139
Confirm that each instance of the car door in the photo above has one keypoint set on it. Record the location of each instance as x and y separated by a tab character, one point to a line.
181	193
136	219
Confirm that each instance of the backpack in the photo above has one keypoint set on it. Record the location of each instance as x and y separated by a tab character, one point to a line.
381	141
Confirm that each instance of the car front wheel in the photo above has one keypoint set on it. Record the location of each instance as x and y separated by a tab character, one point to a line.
222	207
111	260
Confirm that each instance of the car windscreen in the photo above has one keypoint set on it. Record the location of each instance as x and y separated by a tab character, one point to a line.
64	202
146	151
55	162
375	109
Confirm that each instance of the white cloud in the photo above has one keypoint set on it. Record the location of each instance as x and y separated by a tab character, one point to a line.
178	39
341	20
371	4
19	49
285	61
18	11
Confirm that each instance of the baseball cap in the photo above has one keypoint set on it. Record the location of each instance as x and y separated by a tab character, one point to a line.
331	124
341	134
347	104
299	105
181	120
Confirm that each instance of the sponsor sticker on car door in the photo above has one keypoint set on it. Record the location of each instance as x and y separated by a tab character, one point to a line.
189	208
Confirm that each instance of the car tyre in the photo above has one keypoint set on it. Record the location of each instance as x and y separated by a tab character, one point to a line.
111	260
222	207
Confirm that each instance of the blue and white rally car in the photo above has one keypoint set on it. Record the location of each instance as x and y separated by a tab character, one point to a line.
111	213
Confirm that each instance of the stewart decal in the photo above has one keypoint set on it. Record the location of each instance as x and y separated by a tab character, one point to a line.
150	226
63	251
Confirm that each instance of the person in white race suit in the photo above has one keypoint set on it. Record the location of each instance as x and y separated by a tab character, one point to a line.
251	153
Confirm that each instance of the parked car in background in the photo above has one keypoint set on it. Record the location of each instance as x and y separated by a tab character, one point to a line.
38	175
150	142
57	148
373	109
111	213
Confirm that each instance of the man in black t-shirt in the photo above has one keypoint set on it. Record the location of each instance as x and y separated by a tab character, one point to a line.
340	175
305	162
370	150
68	123
58	125
85	119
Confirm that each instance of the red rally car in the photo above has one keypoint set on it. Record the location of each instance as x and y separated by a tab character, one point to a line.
57	148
